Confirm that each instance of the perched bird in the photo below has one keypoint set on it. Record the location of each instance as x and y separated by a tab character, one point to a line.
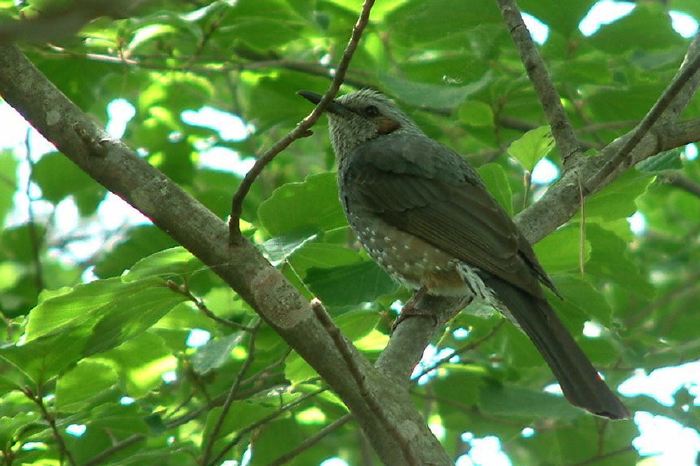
424	215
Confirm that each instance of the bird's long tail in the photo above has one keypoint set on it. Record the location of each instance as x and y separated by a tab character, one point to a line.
578	379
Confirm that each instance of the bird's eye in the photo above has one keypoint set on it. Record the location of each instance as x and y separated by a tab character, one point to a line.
371	111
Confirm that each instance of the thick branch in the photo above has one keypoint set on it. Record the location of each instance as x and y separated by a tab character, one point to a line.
562	200
539	76
242	266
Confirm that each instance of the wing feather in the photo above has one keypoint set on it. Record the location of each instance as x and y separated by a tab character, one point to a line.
439	198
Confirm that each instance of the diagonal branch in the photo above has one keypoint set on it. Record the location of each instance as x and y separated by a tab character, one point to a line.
649	120
302	128
51	421
311	441
344	348
230	397
677	179
562	131
561	201
111	163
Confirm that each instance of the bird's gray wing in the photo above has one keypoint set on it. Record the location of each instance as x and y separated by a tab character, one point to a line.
424	189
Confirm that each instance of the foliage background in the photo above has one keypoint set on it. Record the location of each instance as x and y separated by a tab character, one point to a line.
117	355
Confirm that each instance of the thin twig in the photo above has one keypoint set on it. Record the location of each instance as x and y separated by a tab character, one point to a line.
231	396
51	421
344	349
102	456
213	65
645	125
219	399
677	179
302	129
264	421
311	441
689	284
597	458
468	347
562	131
185	291
582	230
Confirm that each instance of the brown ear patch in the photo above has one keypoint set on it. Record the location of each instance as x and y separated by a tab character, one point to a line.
387	125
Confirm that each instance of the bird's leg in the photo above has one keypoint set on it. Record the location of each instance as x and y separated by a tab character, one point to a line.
411	309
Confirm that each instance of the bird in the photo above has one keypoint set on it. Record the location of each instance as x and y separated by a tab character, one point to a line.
425	216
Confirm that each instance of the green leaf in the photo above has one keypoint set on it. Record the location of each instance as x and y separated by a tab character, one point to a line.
532	146
617	200
76	388
141	361
262	33
70	307
138	242
296	370
610	260
357	324
8	183
476	113
149	33
496	181
460	383
303	207
647	27
430	95
10	427
280	437
241	414
580	293
560	15
131	315
668	160
368	283
177	262
73	181
517	402
101	303
174	92
43	358
215	353
316	254
279	248
415	23
561	250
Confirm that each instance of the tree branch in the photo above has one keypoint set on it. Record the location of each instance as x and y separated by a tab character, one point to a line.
463	349
241	266
230	397
51	421
302	128
562	199
562	131
311	441
350	357
655	113
116	448
677	179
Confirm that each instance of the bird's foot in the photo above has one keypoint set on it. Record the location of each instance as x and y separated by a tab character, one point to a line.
411	309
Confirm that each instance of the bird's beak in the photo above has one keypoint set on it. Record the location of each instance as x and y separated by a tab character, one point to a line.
333	107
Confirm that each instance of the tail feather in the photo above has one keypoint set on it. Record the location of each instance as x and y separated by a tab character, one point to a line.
580	382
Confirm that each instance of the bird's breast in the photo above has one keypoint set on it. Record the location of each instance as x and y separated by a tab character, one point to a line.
407	258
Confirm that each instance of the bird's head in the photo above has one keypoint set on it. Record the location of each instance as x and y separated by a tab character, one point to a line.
360	116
